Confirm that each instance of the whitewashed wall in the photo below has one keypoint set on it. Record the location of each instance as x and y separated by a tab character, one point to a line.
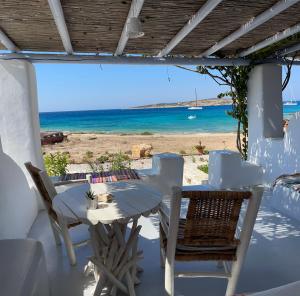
276	153
19	134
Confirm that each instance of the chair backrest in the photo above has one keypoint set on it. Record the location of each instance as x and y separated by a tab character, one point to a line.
212	217
44	187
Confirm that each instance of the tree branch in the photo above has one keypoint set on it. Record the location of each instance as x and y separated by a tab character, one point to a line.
288	74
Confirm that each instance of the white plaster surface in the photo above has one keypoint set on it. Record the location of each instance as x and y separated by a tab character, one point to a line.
276	153
228	170
19	134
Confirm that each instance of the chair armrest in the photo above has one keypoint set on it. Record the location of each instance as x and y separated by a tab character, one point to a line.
80	181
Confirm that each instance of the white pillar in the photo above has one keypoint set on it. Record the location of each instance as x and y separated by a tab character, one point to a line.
19	121
265	116
20	139
265	110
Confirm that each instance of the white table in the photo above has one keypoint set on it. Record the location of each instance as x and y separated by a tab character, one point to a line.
115	253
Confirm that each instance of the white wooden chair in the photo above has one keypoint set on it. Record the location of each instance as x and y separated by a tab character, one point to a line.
59	224
208	233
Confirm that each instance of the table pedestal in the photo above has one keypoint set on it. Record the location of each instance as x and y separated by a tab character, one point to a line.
115	257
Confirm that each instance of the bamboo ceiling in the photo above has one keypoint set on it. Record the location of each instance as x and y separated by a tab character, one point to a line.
95	26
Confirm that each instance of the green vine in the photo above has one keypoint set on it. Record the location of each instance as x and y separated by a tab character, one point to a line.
236	77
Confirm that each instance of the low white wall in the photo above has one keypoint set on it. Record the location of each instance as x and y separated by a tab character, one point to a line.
19	134
278	156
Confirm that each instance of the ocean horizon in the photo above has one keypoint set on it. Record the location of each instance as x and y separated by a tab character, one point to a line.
210	119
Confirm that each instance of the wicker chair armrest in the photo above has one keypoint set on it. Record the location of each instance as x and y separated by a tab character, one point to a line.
80	181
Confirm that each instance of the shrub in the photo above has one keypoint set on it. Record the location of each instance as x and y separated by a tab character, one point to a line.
120	161
56	163
146	134
203	168
182	152
103	158
89	154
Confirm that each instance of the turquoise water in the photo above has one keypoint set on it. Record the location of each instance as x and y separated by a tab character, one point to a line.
166	120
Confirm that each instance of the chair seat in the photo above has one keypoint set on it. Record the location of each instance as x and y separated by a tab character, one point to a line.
202	248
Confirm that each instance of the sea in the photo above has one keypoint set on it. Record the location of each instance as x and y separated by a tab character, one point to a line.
210	119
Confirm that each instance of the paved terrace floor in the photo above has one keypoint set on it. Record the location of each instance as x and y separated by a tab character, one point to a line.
273	259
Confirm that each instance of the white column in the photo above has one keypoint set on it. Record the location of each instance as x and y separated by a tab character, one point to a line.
265	102
265	115
19	121
20	141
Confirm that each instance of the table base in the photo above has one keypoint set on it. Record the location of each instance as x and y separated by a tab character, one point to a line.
115	257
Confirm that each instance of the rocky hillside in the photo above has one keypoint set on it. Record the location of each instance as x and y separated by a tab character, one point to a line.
202	102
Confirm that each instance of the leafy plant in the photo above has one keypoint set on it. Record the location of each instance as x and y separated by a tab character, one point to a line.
89	154
203	168
205	152
182	152
56	163
90	195
120	161
103	158
146	133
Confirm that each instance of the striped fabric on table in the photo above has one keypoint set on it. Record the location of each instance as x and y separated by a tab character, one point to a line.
104	177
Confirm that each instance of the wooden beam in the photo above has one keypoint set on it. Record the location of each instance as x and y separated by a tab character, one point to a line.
60	22
290	49
194	21
6	41
273	39
251	25
134	11
134	60
129	60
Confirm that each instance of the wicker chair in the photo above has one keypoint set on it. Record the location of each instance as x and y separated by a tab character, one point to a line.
58	223
208	233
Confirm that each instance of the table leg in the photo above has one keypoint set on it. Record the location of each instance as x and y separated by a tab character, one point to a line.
115	257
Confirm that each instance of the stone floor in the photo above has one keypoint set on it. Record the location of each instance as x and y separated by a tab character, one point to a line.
273	259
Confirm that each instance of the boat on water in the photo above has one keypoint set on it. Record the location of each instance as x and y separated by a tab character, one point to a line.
192	117
196	107
291	103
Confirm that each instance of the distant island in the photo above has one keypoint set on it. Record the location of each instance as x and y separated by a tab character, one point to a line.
200	102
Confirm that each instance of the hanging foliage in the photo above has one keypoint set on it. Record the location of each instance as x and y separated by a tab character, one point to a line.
236	78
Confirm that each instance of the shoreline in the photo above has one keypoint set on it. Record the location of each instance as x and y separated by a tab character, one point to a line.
137	133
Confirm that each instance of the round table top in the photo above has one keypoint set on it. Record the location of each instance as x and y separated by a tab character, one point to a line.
130	200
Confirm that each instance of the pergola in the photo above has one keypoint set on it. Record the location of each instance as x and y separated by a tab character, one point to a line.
263	33
212	32
186	32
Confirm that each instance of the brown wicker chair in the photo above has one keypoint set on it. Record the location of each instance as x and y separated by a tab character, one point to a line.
207	233
59	225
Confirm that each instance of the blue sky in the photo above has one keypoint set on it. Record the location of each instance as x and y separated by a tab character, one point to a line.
85	87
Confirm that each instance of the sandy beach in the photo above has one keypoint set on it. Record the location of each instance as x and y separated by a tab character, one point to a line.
77	144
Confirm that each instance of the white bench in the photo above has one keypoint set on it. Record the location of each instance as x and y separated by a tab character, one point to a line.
23	268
